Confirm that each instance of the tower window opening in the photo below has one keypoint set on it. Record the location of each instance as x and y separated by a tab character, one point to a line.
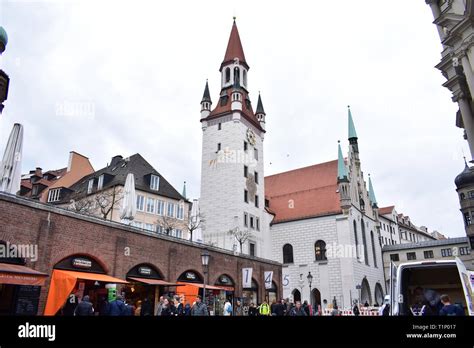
227	75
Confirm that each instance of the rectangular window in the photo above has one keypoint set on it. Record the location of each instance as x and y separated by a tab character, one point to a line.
246	219
160	207
140	202
54	195
170	211
90	185
149	227
246	196
219	126
394	257
155	182
246	145
411	256
252	226
257	223
464	251
252	249
100	183
178	233
428	254
256	177
137	224
159	229
246	171
446	252
255	154
180	212
218	147
150	205
256	201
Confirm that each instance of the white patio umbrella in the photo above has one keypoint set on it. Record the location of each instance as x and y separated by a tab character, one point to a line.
10	167
129	201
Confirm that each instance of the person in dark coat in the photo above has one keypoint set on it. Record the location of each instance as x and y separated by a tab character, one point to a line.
355	310
187	310
253	312
165	309
70	306
117	307
199	308
84	308
297	310
147	309
306	308
103	306
280	308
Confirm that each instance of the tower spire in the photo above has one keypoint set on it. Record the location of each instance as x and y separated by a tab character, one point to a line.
184	190
352	130
206	96
372	198
234	48
260	109
341	166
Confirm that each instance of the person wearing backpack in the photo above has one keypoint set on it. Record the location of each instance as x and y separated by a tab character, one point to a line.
264	309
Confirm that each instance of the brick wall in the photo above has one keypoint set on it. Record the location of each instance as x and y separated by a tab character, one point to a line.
59	234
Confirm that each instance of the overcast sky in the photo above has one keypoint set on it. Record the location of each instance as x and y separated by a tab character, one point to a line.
138	70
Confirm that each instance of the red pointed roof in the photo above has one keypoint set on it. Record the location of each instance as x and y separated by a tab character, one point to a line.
313	191
234	48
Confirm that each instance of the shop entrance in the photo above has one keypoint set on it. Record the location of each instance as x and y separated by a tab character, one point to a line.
250	295
226	283
75	277
271	294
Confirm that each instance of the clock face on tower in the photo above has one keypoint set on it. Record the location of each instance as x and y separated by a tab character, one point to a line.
251	137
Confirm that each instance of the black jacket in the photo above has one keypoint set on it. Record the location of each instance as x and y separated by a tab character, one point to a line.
147	309
84	308
253	312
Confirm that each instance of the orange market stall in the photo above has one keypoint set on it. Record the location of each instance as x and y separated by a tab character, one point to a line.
75	277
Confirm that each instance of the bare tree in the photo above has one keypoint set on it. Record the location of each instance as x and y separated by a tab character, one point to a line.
106	201
241	236
194	223
168	223
100	204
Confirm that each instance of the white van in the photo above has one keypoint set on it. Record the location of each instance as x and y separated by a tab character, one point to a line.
429	280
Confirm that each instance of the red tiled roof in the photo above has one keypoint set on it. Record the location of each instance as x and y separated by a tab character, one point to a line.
304	193
234	48
386	210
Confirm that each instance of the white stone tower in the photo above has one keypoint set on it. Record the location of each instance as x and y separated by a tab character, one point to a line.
232	177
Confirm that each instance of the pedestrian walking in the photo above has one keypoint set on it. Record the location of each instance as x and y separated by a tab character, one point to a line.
297	310
160	306
264	309
187	310
227	308
274	307
238	309
355	310
199	308
335	311
166	308
253	312
84	308
138	310
117	307
147	308
306	308
70	305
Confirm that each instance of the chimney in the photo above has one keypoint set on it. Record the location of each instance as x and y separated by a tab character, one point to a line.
39	172
115	160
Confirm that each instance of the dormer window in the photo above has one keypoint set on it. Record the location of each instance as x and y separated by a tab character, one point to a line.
90	185
100	183
54	195
154	182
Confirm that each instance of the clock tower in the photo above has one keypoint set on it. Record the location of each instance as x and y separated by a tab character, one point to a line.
232	202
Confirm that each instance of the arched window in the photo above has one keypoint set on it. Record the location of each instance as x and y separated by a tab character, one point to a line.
237	75
227	75
356	240
320	250
245	77
462	196
287	253
364	241
373	247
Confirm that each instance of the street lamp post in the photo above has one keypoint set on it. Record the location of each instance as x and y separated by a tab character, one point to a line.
310	281
205	266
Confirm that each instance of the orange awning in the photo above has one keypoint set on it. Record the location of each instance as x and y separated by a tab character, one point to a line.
199	285
154	281
63	282
20	275
225	288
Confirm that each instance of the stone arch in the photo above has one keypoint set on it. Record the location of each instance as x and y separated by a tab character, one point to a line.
102	264
378	294
365	294
296	295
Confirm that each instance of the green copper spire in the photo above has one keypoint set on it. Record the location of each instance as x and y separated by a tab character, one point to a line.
352	130
184	190
372	193
341	166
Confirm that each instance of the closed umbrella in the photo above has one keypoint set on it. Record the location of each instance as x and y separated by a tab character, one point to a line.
129	201
10	169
